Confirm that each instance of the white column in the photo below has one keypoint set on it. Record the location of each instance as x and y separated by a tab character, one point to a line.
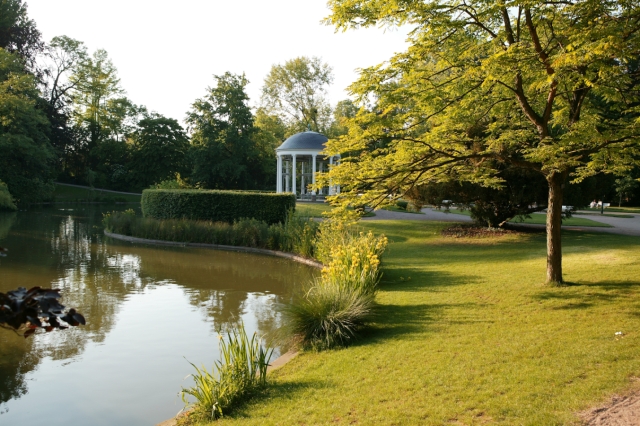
302	179
279	175
337	186
331	188
313	175
287	177
293	174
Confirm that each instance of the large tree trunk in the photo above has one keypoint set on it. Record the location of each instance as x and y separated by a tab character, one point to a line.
554	222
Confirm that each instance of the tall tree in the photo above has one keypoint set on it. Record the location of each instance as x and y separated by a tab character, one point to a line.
546	86
159	149
26	157
222	129
296	92
62	57
103	118
18	33
345	110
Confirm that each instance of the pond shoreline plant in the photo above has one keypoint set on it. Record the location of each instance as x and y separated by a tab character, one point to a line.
242	370
331	311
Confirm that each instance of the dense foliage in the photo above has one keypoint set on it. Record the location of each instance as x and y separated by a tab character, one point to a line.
219	206
26	156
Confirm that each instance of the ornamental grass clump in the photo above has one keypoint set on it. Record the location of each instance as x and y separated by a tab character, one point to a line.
328	316
242	370
342	300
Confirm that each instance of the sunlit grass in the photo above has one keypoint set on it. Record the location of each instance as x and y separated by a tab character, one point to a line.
307	209
467	333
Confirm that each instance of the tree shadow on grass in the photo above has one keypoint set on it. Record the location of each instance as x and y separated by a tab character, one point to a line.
586	295
275	390
418	280
391	322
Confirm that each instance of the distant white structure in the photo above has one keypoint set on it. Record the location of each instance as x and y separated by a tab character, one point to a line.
300	157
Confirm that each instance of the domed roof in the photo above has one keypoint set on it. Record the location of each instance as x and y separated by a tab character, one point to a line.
305	140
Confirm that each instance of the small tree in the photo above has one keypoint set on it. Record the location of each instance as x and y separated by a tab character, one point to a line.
551	87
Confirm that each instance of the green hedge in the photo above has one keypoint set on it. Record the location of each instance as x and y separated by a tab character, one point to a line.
217	206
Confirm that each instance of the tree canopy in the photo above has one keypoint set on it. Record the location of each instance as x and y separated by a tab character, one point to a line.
550	87
221	123
26	156
296	92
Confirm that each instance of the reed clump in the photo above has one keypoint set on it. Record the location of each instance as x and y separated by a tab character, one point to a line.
295	235
241	371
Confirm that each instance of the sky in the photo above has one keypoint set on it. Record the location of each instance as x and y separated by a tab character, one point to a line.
166	52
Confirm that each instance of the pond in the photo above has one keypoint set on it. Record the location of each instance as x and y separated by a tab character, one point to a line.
149	309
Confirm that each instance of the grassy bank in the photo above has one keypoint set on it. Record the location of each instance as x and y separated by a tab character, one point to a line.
72	194
467	333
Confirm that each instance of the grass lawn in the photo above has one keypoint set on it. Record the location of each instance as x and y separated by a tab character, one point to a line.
316	209
467	333
312	209
541	219
72	194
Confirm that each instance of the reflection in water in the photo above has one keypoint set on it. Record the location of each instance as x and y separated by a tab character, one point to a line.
146	308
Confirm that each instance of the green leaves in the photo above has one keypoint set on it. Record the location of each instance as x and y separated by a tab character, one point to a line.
538	85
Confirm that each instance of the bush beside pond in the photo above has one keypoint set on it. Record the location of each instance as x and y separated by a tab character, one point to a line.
330	311
216	206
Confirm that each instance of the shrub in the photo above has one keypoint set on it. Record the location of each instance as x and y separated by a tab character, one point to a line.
342	300
241	370
402	204
6	200
222	206
328	315
351	258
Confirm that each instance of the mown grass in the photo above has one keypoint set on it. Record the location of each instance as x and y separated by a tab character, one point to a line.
541	219
467	333
307	209
72	194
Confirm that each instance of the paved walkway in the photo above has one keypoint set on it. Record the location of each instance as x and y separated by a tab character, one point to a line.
624	226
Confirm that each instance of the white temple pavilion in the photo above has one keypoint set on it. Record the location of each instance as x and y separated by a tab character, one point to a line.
300	157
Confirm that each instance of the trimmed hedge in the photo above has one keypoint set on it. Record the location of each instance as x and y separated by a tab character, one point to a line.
216	206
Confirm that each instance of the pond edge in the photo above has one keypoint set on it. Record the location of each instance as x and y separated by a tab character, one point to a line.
290	256
284	358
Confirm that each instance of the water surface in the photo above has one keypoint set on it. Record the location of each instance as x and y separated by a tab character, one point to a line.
149	309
